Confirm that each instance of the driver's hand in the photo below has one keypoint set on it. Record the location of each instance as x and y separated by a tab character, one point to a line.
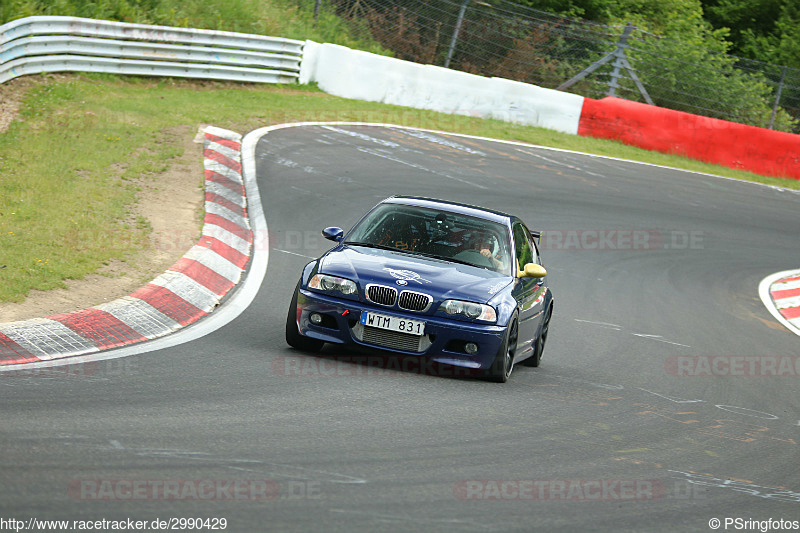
486	252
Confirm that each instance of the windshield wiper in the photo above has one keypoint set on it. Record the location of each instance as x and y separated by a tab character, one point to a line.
393	249
373	245
439	257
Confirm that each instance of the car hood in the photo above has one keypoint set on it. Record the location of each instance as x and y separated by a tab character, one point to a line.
441	279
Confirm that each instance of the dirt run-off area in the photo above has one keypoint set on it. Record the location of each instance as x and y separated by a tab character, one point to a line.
171	202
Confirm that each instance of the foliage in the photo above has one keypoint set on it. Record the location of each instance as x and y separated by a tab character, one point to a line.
786	37
279	18
761	29
399	31
687	68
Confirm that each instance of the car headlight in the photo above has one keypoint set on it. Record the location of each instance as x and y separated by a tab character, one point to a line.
324	282
471	310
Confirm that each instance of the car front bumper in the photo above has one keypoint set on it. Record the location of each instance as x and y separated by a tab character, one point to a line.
444	340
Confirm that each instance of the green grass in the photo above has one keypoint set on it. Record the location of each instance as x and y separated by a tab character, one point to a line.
71	164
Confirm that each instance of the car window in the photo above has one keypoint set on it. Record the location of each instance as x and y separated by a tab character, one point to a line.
431	232
523	246
534	248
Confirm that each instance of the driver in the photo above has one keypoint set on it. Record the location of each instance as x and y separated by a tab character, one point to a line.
488	247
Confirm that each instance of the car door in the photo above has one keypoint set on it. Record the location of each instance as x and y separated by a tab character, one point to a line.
527	291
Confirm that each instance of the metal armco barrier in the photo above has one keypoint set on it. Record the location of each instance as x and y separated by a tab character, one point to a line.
57	44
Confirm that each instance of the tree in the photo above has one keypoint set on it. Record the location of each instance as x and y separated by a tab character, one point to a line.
687	67
781	44
746	19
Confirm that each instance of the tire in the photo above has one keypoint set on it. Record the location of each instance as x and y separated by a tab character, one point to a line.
293	336
538	346
503	363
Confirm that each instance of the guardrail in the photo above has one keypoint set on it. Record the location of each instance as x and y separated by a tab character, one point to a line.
56	44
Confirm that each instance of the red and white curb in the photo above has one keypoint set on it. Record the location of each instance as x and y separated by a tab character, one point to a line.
780	292
187	291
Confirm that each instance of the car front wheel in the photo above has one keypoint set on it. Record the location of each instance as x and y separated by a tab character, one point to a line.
293	336
503	363
538	345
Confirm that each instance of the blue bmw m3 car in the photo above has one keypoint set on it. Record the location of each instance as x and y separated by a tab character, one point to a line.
454	283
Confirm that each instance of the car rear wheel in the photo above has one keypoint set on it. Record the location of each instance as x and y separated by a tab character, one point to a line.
503	363
538	345
293	336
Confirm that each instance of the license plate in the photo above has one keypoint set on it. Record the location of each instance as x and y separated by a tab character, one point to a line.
393	323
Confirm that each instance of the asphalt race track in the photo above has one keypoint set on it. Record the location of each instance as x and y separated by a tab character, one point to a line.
666	396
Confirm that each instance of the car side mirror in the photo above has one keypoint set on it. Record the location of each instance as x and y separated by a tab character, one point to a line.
532	270
333	234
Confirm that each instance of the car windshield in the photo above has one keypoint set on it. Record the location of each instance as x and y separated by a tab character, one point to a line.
434	233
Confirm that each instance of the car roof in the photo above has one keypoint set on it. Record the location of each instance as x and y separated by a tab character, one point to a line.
464	209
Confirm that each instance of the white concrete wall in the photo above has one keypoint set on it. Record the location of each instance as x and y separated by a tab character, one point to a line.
363	76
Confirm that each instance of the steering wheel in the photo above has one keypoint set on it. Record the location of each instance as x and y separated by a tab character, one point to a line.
474	257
